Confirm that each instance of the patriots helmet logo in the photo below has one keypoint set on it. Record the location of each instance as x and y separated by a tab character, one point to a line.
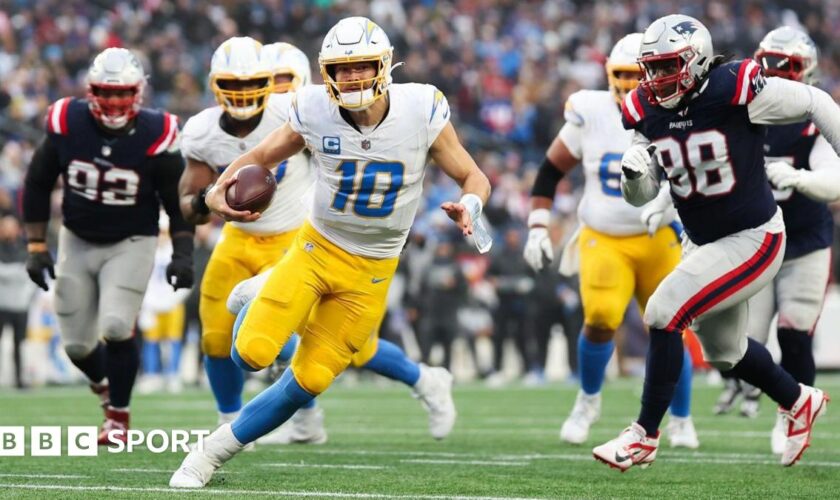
685	28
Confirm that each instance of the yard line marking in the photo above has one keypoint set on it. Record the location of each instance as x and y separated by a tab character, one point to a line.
161	471
274	493
325	466
464	462
45	476
666	455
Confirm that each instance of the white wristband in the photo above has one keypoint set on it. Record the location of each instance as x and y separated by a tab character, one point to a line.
539	217
473	204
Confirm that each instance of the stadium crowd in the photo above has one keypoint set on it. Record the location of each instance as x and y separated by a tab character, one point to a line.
507	67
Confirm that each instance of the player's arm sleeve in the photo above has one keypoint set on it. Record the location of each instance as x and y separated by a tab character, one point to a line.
785	101
168	168
643	189
43	171
822	182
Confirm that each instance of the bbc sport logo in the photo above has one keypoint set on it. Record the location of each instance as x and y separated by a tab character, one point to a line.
46	441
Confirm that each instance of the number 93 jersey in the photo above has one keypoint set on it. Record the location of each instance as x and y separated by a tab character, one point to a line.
370	179
204	140
593	134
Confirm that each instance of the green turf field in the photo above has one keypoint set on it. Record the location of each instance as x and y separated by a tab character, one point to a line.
504	445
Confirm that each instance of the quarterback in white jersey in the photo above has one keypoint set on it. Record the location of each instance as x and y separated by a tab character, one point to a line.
370	142
625	251
248	111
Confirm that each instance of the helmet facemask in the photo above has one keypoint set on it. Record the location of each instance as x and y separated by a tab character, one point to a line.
284	81
787	66
619	82
242	98
357	95
114	105
667	77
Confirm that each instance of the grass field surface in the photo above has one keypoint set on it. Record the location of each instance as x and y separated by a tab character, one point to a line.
505	445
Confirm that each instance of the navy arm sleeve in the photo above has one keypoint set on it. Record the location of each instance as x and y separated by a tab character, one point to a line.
168	168
43	171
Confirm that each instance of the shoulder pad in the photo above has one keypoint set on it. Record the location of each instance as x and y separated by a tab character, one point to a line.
632	109
56	118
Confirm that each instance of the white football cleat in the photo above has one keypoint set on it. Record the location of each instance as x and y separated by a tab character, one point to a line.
631	447
228	418
681	433
434	390
198	467
799	422
777	435
305	427
587	411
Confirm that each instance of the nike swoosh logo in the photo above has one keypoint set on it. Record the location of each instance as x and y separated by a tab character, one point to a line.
378	280
621	458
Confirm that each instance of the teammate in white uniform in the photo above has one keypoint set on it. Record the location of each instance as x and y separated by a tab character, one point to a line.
247	112
371	141
625	251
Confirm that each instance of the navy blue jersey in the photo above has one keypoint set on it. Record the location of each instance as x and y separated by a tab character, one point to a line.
808	222
114	184
711	153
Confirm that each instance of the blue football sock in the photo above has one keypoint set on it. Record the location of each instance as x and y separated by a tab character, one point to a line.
662	371
151	357
757	368
174	361
289	349
390	361
226	381
798	354
592	363
270	408
681	404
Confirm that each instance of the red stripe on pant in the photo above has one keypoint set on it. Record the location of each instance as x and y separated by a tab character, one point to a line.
685	314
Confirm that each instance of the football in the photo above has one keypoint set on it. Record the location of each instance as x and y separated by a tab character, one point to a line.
253	190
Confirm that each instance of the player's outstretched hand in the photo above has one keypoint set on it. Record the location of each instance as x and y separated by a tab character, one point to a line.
538	251
216	202
36	264
459	213
782	175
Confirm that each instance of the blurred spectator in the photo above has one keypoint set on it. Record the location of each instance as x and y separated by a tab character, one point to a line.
444	293
512	279
16	290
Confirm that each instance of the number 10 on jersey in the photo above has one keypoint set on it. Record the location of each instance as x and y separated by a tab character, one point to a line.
362	187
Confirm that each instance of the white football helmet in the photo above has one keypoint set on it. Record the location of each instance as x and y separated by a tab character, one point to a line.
676	53
352	40
788	53
115	83
624	59
239	78
287	60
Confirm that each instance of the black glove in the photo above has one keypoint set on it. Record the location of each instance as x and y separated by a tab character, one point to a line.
36	264
179	272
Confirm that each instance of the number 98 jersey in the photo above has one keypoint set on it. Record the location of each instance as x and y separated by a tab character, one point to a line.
369	179
594	135
711	152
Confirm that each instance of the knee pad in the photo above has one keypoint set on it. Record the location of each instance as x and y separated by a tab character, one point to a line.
656	315
315	367
361	358
257	350
216	344
605	315
115	327
79	351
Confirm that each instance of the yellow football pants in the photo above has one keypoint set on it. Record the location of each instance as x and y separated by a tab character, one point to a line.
348	293
168	325
615	268
237	256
